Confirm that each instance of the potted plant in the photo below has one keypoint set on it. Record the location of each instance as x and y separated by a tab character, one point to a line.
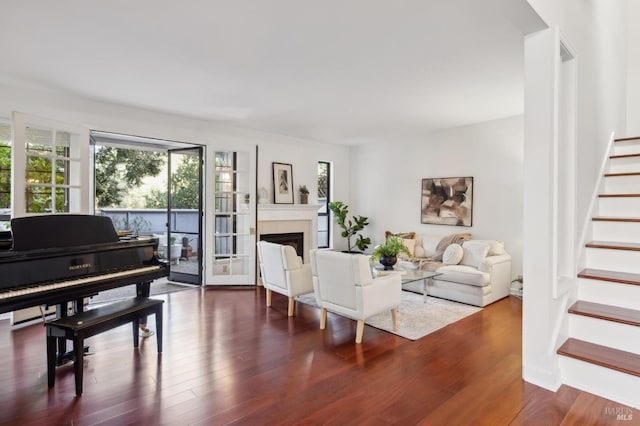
387	252
304	194
175	249
350	228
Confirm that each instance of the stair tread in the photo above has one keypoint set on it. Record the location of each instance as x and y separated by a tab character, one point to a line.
622	174
632	138
626	362
612	276
618	195
606	312
624	155
613	245
616	219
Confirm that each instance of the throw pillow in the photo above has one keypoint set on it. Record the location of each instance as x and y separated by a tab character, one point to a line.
403	235
410	244
495	247
453	254
450	239
474	253
429	244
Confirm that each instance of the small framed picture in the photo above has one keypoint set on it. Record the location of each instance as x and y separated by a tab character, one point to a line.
282	183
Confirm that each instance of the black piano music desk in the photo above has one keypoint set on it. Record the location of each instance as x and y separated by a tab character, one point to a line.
89	323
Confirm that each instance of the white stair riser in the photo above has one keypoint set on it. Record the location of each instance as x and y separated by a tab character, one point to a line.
608	293
613	260
624	165
619	207
601	381
606	333
626	147
624	232
622	184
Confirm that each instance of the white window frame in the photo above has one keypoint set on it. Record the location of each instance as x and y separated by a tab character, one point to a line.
79	161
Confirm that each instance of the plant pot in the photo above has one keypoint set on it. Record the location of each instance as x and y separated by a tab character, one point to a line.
304	198
388	262
176	249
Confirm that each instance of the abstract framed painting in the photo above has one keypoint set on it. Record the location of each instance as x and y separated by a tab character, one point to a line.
447	201
282	183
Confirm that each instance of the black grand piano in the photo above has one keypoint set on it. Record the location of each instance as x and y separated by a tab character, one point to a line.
55	259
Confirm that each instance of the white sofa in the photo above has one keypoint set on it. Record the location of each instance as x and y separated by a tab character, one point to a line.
482	276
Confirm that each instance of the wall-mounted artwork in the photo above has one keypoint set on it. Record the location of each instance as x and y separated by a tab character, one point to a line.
282	183
447	201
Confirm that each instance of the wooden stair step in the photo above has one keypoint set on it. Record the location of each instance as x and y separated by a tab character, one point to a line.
618	195
626	362
627	139
622	174
612	245
610	276
606	312
613	157
615	219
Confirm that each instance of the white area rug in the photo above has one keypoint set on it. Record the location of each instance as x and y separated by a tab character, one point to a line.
416	319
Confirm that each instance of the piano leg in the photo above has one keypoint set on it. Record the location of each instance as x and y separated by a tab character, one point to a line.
142	290
63	357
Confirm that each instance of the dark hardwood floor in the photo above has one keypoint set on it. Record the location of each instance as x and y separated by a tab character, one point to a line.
229	360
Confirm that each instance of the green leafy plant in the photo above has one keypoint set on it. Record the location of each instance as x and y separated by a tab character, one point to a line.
350	228
390	248
304	190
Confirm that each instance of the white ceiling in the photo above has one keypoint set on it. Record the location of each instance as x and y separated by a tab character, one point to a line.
350	71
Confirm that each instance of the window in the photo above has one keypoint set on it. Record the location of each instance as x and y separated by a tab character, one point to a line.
48	166
5	174
324	197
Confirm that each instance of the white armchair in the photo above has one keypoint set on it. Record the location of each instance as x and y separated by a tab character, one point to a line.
282	271
344	285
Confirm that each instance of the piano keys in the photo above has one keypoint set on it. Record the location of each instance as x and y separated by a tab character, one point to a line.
61	258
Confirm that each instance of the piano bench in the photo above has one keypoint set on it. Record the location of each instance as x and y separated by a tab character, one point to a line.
89	323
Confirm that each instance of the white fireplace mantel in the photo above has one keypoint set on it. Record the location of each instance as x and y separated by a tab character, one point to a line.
292	213
288	211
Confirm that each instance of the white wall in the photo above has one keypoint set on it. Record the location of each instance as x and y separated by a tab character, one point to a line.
633	69
387	178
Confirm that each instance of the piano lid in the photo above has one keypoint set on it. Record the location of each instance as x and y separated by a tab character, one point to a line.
61	230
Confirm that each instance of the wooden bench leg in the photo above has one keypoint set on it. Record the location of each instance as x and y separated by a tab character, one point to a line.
51	360
136	328
136	332
78	363
159	328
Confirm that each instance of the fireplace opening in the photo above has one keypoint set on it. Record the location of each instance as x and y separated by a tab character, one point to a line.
293	239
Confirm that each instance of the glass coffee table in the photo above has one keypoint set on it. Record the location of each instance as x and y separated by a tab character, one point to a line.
412	276
416	275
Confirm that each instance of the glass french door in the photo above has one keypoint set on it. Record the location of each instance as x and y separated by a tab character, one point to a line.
184	215
231	217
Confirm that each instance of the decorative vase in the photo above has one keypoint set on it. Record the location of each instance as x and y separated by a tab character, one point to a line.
388	262
304	198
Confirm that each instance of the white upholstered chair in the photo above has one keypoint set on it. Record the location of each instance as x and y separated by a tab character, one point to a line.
344	285
282	271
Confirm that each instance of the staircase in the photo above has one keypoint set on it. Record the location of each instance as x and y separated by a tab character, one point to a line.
602	354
